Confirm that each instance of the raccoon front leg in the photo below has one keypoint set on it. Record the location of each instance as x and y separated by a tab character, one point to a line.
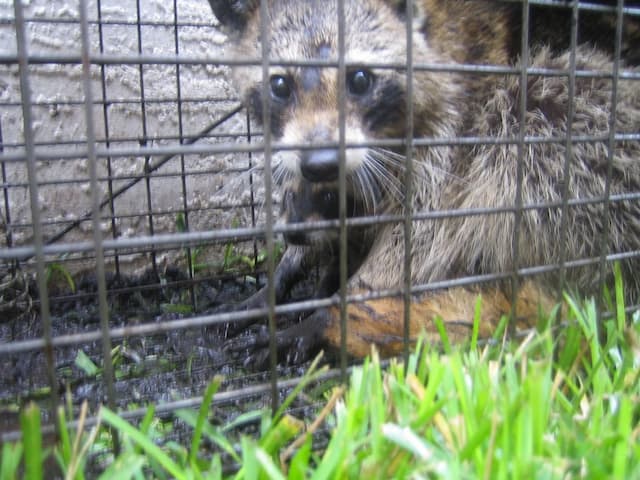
380	322
288	272
294	266
294	345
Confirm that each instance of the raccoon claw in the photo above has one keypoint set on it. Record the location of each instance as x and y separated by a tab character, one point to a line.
256	337
233	328
294	345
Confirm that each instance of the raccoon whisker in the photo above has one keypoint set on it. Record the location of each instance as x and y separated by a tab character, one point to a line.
357	186
433	173
280	174
377	164
387	181
390	161
390	155
259	209
427	171
365	181
371	189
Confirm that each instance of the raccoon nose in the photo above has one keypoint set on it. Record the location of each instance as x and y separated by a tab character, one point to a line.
320	165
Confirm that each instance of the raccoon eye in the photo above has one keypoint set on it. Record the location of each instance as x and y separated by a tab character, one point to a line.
280	87
359	81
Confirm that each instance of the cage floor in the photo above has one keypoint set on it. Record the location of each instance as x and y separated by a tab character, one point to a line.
156	369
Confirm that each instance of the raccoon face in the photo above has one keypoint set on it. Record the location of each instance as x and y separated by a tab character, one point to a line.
305	102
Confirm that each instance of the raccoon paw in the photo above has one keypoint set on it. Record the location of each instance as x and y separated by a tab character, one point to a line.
235	327
294	345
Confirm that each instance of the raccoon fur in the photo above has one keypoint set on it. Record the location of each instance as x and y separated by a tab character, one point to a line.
478	183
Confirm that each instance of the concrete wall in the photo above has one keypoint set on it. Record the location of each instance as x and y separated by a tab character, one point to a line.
59	117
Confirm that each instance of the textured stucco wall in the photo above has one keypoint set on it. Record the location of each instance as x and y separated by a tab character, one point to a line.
59	117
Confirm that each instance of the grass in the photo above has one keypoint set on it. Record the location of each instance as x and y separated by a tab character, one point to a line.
562	403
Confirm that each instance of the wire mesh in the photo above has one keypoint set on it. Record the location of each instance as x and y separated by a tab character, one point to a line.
137	199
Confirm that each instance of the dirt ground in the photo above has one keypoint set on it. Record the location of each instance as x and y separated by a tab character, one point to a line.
148	369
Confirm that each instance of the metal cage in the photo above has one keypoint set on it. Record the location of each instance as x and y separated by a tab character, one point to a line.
136	199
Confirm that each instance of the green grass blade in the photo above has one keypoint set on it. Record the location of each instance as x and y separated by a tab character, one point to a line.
212	388
407	439
84	363
250	467
280	433
127	465
32	439
620	313
64	443
214	434
446	345
624	438
300	461
155	452
477	316
215	468
10	460
272	470
242	419
500	329
145	424
310	375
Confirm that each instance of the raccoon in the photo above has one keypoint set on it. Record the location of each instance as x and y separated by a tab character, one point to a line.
477	184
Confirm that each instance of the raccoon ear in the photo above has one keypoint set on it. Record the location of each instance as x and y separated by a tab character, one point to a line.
401	7
233	13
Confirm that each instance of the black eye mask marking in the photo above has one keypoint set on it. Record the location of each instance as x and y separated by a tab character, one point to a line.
254	102
386	107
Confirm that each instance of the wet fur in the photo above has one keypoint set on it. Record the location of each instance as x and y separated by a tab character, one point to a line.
447	105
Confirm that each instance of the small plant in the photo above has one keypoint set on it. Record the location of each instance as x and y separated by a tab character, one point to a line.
84	363
231	261
58	270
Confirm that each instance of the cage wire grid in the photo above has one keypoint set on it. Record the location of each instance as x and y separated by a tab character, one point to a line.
134	190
